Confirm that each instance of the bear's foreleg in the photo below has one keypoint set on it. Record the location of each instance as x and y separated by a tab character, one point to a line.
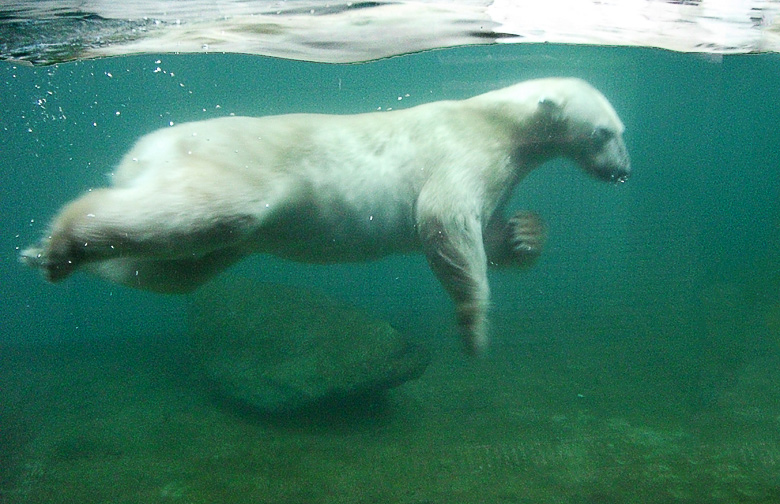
455	252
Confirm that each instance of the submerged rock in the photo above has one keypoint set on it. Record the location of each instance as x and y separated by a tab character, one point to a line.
279	349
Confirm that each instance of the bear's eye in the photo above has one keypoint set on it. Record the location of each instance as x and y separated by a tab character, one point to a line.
601	134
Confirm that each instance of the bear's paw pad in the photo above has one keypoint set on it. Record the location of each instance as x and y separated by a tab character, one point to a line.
527	234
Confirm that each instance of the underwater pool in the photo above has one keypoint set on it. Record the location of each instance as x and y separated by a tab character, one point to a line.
637	361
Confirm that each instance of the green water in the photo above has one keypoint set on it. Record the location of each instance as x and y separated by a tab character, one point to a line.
638	361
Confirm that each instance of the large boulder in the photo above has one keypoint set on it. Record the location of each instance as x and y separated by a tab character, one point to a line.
280	349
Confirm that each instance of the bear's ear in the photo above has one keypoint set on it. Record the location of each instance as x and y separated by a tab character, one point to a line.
549	111
549	106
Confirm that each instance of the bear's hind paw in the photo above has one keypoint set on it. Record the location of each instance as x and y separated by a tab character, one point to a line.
54	271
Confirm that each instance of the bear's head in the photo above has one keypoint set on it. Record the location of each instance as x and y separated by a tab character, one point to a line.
586	128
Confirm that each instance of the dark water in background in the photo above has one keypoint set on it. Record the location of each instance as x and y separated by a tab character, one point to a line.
671	282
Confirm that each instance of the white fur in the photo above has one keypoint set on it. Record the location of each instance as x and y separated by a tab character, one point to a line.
190	200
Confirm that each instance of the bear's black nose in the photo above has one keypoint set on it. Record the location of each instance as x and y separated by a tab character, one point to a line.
610	172
620	175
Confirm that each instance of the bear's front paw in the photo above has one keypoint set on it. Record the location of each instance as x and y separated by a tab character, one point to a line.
526	235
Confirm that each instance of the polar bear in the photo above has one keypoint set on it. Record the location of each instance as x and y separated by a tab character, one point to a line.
188	201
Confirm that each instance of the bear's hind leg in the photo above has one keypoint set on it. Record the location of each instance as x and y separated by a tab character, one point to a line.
72	238
171	276
144	223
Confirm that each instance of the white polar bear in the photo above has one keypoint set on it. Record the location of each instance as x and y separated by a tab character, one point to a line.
188	201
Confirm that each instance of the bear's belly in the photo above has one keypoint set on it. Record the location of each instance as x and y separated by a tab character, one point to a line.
339	230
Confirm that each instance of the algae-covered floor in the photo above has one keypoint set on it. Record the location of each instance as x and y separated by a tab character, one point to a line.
573	420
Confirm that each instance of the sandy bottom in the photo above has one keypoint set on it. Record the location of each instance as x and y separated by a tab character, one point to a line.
536	422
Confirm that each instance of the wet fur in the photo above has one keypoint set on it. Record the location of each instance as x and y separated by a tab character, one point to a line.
188	201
